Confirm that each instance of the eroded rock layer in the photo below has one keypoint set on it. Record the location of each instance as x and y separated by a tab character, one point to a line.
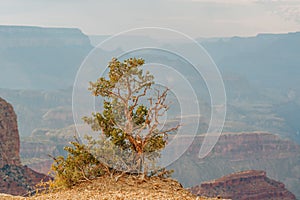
9	136
246	185
15	179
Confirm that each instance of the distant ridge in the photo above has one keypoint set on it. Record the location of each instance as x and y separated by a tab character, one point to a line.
41	57
37	28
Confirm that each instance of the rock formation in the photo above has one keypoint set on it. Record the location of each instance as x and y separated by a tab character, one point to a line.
15	179
235	152
246	185
9	136
249	145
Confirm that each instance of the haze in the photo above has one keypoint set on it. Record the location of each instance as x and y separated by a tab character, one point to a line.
197	18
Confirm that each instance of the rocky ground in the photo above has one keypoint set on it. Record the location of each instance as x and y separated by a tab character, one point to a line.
128	187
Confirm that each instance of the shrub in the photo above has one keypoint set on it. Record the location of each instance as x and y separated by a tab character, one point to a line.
79	165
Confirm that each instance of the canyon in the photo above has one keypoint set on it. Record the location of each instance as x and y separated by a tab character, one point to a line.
234	152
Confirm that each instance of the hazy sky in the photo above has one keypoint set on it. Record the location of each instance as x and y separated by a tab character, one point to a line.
198	18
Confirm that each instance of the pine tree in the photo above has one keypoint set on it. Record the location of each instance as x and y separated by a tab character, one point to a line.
132	108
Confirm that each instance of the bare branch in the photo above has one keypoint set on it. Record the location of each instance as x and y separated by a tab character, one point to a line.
118	95
155	111
136	100
128	89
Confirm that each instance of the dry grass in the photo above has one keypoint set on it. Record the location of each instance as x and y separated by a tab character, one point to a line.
127	187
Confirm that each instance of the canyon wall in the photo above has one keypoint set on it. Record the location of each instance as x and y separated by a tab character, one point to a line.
246	185
235	152
9	136
15	179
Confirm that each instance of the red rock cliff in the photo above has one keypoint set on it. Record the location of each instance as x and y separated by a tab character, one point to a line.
9	136
15	179
246	185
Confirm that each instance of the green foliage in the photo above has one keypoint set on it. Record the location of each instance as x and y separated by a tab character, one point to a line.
118	73
122	77
130	140
80	165
131	111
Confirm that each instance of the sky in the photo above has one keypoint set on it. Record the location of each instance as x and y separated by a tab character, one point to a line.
197	18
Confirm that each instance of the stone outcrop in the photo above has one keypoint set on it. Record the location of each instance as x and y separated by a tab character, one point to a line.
235	152
19	180
246	185
9	136
15	179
